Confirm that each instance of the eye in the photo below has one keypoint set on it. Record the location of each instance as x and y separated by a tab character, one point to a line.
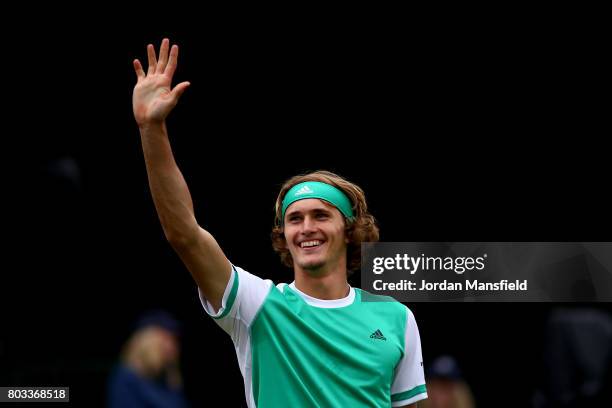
322	216
294	218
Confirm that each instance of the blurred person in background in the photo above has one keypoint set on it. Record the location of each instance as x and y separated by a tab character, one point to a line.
445	385
577	359
148	374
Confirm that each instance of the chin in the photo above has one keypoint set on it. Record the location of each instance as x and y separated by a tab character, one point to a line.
312	266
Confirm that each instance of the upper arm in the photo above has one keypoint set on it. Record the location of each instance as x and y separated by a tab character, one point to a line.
409	379
207	264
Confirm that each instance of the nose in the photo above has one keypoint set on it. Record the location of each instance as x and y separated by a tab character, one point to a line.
308	226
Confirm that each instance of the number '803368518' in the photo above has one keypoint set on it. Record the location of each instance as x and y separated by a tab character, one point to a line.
36	394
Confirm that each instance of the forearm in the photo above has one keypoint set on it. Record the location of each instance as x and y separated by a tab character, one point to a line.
168	187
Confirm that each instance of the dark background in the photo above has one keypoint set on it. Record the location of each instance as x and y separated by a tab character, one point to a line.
466	132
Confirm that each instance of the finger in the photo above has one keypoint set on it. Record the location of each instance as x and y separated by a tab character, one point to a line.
139	71
179	89
163	56
152	59
171	67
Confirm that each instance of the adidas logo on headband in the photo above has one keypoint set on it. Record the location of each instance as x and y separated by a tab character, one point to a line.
303	190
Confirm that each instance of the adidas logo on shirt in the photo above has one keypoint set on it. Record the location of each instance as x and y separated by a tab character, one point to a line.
378	335
303	190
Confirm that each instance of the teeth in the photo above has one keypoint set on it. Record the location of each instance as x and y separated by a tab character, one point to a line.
307	244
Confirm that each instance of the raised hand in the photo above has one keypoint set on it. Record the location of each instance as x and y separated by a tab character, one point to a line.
153	97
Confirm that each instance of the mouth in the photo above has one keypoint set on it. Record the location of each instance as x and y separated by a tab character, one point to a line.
311	245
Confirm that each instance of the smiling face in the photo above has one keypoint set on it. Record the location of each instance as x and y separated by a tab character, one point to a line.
314	231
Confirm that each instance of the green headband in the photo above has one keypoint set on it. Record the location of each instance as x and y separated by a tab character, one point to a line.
322	191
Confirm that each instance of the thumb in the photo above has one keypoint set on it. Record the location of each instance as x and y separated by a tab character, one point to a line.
179	89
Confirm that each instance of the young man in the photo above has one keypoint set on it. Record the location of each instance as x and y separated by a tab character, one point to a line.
316	342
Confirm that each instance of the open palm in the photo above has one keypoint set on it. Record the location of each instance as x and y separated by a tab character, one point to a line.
153	97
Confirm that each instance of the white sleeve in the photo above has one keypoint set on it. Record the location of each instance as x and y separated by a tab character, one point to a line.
243	296
409	382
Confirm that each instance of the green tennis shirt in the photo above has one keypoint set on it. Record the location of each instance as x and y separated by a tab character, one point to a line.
298	351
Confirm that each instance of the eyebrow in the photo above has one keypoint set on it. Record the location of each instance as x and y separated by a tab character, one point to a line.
315	210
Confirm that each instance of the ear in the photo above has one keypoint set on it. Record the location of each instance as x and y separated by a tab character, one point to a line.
346	228
284	238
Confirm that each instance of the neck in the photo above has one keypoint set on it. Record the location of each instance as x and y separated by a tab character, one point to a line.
325	286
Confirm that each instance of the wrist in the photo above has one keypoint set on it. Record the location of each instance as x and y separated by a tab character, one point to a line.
151	125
